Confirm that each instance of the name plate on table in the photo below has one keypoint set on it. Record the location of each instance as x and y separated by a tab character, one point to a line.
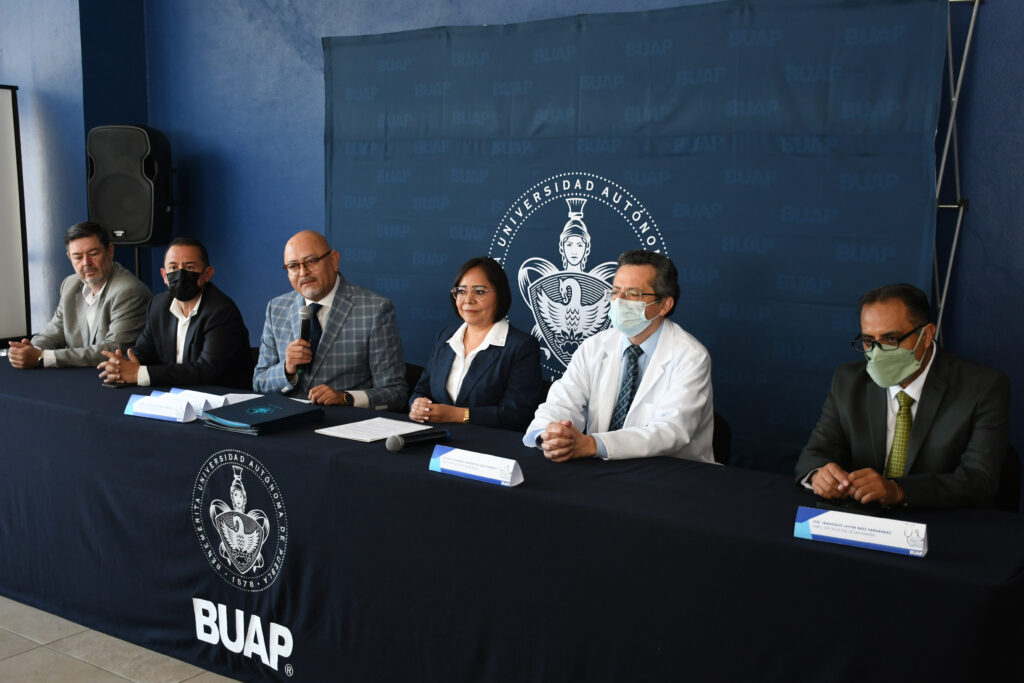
473	465
161	406
862	531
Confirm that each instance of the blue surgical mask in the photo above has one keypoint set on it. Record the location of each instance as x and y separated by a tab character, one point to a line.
628	317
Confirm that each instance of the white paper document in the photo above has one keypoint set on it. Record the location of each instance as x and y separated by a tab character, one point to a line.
374	429
200	400
232	399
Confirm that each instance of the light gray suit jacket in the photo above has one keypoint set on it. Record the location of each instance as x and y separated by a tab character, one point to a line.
119	319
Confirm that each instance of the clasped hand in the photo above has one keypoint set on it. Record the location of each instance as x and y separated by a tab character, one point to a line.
425	410
864	485
23	355
118	368
561	441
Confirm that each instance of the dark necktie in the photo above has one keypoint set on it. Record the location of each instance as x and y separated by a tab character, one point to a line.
628	388
315	330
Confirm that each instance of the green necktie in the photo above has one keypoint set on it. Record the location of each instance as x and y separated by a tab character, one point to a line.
901	437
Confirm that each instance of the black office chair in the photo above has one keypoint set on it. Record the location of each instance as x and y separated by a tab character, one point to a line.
721	440
1008	493
413	373
545	387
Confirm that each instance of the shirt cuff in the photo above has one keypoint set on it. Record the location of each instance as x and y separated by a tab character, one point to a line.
530	438
49	358
602	450
806	481
143	377
360	399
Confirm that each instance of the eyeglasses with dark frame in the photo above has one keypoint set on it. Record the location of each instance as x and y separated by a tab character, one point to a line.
461	292
312	264
627	294
862	344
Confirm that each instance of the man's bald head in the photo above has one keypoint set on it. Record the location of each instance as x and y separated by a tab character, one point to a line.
311	263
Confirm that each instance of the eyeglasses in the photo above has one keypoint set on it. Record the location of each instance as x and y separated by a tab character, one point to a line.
312	264
462	292
627	294
862	344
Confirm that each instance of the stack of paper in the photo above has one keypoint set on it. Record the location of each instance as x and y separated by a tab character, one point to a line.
179	405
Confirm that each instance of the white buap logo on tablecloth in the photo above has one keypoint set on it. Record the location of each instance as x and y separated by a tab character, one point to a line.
567	303
239	517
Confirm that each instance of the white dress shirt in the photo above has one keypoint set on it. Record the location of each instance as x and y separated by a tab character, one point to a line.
496	336
913	390
179	340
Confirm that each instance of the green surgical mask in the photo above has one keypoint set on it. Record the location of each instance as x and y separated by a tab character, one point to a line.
889	368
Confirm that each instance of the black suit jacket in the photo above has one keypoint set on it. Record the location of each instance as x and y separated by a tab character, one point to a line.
216	344
502	387
957	443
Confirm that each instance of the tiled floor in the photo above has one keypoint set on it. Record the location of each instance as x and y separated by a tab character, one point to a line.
37	646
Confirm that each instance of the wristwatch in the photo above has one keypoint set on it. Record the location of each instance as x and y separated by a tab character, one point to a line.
349	400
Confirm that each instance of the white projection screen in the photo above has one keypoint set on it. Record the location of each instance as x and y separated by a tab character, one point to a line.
14	304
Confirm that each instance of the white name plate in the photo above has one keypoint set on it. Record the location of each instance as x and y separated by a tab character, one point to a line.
161	406
862	531
473	465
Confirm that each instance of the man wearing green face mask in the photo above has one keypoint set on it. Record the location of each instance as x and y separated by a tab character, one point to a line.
909	424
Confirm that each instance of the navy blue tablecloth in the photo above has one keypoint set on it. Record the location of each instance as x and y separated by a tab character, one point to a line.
380	570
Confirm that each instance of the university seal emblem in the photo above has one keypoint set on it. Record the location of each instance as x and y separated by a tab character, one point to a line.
567	304
244	538
242	534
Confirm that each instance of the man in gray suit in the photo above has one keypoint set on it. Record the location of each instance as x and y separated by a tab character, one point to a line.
102	307
911	424
354	353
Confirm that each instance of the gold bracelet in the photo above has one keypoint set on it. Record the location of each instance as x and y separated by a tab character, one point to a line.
465	418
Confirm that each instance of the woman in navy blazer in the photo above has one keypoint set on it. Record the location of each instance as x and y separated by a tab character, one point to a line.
484	371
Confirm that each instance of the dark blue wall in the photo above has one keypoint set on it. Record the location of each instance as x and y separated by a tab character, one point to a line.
238	87
985	314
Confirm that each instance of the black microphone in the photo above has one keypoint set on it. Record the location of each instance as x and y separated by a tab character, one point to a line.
305	315
397	442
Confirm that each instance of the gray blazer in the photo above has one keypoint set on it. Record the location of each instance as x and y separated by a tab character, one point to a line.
119	319
360	347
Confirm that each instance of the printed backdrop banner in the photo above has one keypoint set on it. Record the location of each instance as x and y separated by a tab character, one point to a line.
781	152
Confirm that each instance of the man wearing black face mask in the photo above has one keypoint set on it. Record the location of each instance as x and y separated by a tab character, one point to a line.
194	333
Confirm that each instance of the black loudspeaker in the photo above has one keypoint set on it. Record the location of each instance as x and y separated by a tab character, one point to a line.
130	183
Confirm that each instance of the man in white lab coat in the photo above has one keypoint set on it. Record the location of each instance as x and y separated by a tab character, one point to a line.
640	388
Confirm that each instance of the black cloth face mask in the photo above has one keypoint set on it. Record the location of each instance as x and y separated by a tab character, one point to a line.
184	284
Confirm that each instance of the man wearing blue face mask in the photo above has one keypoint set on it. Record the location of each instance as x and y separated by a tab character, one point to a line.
909	424
641	388
194	333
